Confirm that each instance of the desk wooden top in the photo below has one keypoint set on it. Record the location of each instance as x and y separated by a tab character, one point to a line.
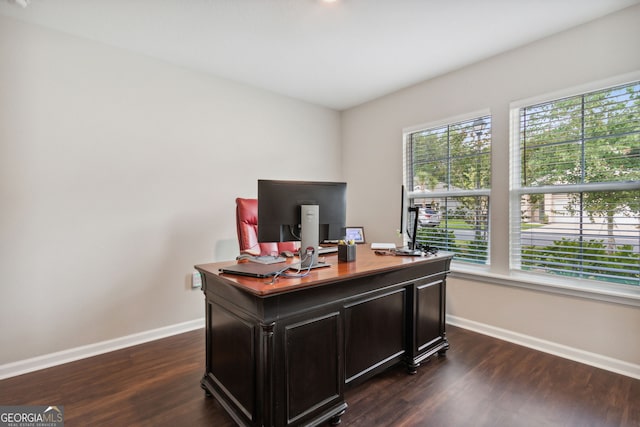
366	263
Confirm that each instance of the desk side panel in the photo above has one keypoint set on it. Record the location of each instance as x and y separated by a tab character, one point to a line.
232	359
429	322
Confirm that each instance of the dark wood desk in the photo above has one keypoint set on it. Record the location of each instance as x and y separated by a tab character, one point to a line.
282	354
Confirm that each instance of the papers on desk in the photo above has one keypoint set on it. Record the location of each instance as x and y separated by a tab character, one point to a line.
383	246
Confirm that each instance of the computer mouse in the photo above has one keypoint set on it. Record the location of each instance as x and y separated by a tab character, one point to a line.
286	254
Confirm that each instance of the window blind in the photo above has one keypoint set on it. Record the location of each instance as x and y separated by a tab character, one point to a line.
576	196
448	174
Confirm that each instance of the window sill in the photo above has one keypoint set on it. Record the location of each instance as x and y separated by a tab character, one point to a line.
619	294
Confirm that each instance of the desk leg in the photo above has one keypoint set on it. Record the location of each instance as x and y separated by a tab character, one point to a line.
207	392
412	367
266	367
337	418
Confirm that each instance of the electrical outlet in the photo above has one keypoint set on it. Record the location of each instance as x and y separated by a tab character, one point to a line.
196	280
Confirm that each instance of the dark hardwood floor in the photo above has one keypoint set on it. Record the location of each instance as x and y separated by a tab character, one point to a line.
481	382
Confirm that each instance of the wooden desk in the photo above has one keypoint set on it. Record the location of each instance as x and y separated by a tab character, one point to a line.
282	354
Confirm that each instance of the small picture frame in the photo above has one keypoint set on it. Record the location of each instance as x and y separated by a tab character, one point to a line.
355	233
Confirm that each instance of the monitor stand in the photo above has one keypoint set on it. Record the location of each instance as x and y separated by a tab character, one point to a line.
310	237
408	252
318	264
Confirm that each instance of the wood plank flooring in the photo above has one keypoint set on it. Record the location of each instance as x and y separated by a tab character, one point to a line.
481	382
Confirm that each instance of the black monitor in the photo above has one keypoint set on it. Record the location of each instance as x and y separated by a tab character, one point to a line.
406	218
301	210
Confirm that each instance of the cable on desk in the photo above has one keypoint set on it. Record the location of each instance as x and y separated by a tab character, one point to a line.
283	271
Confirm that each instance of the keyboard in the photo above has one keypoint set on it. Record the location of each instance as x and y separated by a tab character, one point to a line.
267	259
323	250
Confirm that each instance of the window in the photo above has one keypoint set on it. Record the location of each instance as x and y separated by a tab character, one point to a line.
576	187
448	177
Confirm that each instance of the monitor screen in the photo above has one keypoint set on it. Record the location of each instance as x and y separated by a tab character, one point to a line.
279	207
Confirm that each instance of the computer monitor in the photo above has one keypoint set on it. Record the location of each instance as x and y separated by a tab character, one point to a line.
307	211
408	215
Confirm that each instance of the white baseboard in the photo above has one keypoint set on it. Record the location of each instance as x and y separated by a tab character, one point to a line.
593	359
48	360
58	358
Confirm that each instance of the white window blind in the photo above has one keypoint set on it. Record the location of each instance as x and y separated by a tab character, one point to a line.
448	175
576	187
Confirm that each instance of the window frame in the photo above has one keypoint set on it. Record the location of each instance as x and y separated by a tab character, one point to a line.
499	272
448	193
597	289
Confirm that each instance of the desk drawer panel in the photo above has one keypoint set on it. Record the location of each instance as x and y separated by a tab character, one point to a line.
374	332
312	365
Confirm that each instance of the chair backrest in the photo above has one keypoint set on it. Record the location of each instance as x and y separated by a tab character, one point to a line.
247	227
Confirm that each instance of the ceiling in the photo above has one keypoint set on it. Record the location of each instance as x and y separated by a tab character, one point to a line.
337	54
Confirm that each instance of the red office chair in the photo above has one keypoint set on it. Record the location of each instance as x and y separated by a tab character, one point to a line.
247	225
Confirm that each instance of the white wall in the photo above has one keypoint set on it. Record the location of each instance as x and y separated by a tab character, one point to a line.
372	134
118	173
